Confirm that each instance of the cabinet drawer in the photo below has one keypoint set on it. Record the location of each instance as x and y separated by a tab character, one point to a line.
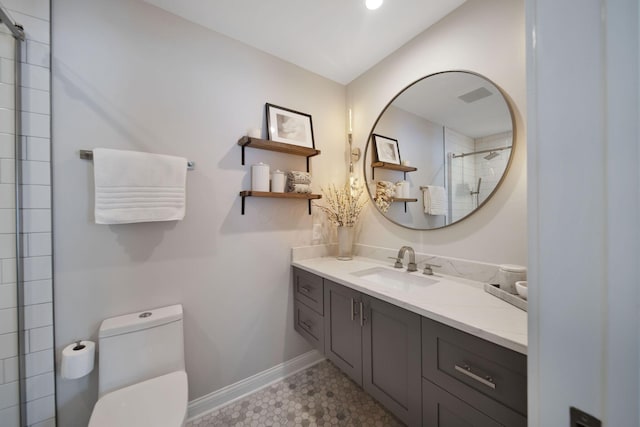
443	409
308	289
309	324
473	369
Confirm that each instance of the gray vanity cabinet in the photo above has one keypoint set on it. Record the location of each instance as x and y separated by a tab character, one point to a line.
443	409
343	331
424	372
469	381
391	357
377	344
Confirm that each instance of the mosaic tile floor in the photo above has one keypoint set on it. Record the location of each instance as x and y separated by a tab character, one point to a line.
318	396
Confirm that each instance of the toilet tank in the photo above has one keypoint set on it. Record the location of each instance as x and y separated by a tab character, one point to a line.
139	346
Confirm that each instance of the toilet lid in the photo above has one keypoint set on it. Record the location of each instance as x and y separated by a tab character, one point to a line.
158	402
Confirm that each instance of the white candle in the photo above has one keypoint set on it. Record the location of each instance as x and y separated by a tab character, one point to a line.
350	122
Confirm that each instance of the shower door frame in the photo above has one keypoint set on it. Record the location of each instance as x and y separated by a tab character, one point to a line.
18	34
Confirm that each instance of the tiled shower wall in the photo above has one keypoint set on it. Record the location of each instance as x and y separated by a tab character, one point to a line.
38	368
491	170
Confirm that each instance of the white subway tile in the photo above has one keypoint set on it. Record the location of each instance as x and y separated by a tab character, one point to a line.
7	96
37	268
7	246
37	292
33	100
9	395
7	121
8	345
8	296
7	171
38	149
38	54
39	386
39	362
37	316
7	71
36	220
40	339
36	125
7	145
11	371
35	196
37	173
8	270
7	220
40	409
34	28
35	77
35	8
10	416
39	244
7	46
8	320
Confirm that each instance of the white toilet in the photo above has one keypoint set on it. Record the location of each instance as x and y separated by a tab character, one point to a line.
141	377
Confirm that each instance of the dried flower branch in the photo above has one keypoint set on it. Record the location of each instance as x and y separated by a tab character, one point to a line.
343	205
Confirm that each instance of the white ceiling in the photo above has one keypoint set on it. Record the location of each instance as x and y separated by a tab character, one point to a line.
436	99
338	39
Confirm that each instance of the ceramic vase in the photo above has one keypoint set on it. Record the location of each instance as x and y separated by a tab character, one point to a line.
345	242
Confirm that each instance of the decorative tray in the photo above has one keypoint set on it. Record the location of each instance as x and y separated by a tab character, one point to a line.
514	300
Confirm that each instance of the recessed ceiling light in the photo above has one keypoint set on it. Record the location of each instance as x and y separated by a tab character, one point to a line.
373	4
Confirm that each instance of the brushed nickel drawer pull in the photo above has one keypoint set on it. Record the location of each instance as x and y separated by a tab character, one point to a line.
305	289
466	370
353	316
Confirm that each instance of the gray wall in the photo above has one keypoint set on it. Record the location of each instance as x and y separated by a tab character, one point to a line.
487	37
129	76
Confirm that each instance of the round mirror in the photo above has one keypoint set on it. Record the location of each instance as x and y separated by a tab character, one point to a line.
439	150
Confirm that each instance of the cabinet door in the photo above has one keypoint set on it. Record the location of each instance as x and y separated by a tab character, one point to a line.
391	358
442	409
343	334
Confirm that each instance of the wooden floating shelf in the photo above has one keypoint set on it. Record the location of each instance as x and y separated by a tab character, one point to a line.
280	195
392	166
265	144
269	194
393	199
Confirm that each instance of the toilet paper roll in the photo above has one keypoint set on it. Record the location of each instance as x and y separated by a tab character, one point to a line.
260	177
77	359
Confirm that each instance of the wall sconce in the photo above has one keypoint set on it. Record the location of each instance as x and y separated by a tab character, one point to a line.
354	153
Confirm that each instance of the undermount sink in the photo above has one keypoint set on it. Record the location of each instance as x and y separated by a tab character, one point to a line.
393	279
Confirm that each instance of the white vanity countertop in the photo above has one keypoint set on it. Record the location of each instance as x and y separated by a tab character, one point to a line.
454	301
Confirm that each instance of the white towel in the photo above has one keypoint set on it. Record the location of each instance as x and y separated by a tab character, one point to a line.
435	200
131	186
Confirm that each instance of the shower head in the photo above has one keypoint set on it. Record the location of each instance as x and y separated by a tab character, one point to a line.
491	155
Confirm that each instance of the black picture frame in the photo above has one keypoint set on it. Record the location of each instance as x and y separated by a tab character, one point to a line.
387	149
289	126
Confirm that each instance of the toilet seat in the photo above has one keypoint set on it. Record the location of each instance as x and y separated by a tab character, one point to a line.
158	402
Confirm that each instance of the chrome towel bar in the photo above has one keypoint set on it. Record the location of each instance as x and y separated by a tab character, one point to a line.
88	155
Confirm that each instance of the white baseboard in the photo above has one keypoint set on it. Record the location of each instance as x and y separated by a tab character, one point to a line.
212	401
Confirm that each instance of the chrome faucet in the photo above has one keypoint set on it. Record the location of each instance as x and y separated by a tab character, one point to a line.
412	258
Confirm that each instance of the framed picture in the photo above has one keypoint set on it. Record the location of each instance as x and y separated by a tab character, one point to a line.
387	149
290	127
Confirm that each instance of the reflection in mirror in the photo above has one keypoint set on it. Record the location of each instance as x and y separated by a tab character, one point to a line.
454	134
